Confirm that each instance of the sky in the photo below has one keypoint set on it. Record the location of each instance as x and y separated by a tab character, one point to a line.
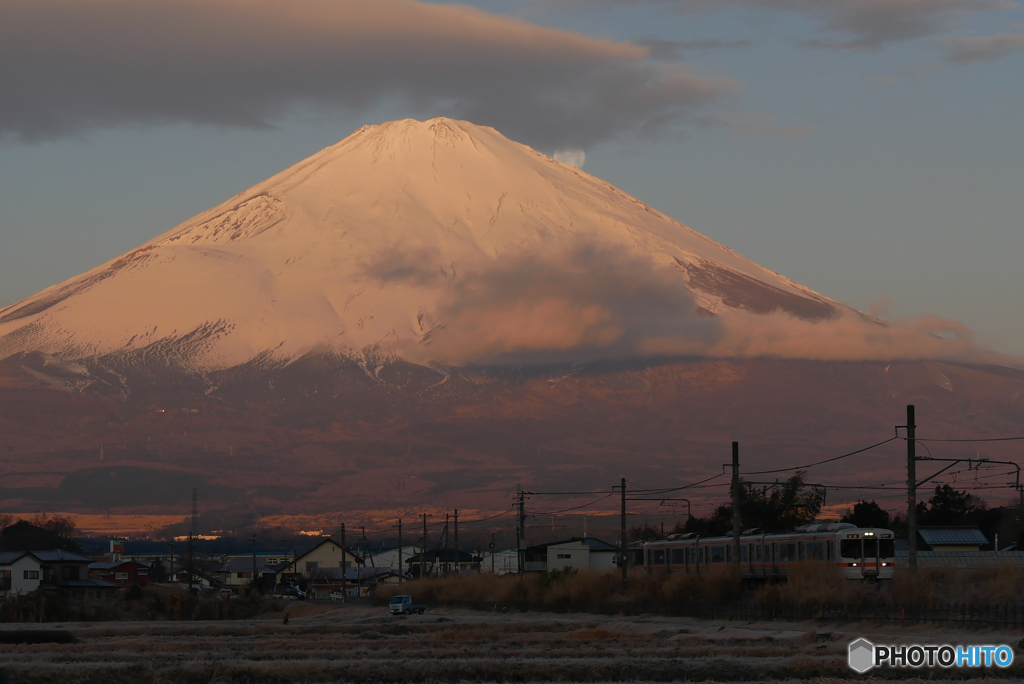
871	150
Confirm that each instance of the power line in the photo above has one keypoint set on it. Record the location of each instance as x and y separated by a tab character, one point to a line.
985	439
676	489
827	460
574	508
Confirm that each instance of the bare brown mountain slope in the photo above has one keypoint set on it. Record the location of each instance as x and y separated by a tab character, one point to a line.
325	435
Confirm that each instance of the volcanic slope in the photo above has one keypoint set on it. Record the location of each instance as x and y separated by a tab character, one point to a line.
402	241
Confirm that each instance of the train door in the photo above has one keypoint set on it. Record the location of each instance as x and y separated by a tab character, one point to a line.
869	558
774	548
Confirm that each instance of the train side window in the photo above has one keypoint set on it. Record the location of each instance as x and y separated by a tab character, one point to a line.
678	557
659	557
757	552
717	555
743	553
815	551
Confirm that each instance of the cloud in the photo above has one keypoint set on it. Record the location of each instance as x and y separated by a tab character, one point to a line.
572	157
583	303
71	66
846	23
968	50
588	302
670	50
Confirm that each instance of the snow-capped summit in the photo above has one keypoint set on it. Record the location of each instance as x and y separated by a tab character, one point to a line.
434	241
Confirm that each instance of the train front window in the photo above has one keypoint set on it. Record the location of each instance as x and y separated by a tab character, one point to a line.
886	548
849	548
870	548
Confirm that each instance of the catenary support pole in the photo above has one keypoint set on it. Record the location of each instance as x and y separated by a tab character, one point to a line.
456	541
736	503
344	565
622	541
423	550
911	490
400	573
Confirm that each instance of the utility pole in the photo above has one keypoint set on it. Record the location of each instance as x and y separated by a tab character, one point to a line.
492	550
446	556
456	541
400	573
344	565
622	542
911	490
521	531
423	549
193	531
253	582
736	503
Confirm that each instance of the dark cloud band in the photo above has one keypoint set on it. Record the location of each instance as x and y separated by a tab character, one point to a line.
68	66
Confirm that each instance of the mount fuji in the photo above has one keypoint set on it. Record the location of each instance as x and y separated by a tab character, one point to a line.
427	309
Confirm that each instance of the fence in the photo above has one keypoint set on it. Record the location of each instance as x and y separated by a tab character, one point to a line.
958	614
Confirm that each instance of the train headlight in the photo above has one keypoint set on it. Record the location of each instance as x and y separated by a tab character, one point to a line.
854	565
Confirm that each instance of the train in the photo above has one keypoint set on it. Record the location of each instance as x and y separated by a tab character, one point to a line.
856	552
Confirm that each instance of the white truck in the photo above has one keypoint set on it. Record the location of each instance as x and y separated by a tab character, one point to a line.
403	605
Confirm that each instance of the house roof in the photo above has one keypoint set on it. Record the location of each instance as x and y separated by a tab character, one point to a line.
325	541
962	559
8	557
59	555
590	542
952	536
110	565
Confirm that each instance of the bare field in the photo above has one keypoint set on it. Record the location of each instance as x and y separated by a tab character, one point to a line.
331	643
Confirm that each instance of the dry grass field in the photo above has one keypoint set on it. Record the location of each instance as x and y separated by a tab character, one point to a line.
335	643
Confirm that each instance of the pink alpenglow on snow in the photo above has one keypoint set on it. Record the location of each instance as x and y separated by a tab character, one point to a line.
443	243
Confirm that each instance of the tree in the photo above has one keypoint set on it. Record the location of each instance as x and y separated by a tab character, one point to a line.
867	514
777	507
41	534
950	507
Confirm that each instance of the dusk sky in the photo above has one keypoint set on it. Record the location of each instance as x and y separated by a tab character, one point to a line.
871	150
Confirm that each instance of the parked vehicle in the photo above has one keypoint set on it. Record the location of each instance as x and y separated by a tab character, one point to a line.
289	592
403	605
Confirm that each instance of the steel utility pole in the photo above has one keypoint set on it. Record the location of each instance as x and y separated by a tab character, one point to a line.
911	490
423	549
344	565
400	573
447	558
456	541
622	542
736	503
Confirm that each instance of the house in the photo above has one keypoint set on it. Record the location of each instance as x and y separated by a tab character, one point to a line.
578	553
501	562
20	573
236	573
121	573
951	539
327	554
444	561
390	558
331	582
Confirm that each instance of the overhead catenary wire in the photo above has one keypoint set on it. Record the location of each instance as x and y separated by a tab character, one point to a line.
822	462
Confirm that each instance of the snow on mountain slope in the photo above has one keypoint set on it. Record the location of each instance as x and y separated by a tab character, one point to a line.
439	242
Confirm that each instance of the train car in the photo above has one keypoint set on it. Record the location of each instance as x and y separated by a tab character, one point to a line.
857	553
